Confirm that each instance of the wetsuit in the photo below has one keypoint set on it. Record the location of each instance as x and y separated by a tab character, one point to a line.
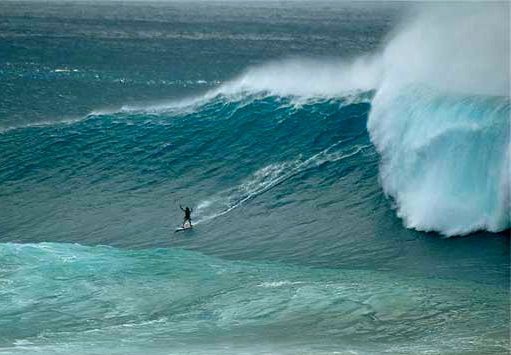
188	215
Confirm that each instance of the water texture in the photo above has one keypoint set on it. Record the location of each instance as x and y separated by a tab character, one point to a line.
347	166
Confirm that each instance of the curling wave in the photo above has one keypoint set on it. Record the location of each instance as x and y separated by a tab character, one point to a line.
445	159
440	120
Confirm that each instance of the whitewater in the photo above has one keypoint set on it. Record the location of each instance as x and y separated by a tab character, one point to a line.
348	166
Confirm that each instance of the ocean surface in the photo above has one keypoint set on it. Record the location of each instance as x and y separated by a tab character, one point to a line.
347	165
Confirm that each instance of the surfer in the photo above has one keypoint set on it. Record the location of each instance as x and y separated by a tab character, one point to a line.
188	215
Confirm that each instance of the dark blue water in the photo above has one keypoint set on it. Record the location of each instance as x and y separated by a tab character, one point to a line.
336	208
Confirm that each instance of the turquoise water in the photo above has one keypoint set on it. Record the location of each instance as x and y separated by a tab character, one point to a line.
102	299
337	209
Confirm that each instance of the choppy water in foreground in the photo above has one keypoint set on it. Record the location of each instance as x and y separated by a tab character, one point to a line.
323	194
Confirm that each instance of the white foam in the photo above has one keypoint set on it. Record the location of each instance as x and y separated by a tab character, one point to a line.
308	78
264	180
443	141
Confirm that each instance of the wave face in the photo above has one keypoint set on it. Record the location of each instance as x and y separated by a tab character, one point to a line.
226	155
84	299
292	169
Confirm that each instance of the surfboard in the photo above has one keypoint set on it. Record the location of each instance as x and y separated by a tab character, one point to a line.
185	226
180	229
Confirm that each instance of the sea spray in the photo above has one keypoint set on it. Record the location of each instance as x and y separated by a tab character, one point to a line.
440	119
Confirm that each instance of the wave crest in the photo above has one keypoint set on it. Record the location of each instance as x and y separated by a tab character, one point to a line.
308	78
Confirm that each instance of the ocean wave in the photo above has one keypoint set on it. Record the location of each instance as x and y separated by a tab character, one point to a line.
443	137
445	160
441	126
440	120
82	297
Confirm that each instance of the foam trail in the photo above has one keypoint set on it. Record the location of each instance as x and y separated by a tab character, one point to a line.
266	179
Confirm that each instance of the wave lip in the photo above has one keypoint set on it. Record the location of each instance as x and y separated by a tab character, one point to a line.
308	78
